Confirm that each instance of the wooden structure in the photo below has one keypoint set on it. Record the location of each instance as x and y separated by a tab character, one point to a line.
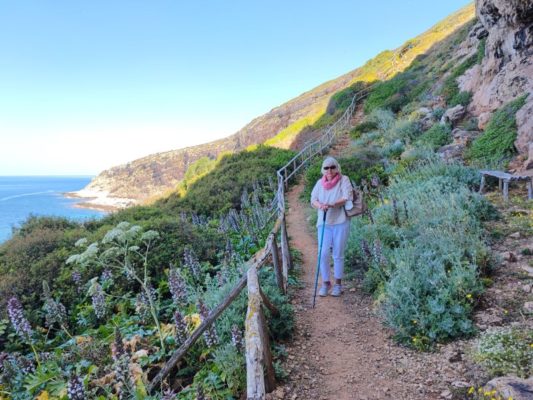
260	371
504	179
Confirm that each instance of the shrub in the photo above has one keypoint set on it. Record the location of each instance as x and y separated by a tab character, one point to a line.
405	130
495	146
506	352
450	89
425	251
391	94
462	98
436	136
438	113
220	190
363	127
342	99
382	118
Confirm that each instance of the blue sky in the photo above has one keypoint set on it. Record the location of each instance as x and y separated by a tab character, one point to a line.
85	85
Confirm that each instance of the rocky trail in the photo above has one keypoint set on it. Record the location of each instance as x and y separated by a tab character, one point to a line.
341	349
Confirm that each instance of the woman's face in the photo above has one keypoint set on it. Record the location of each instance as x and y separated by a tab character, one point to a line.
330	171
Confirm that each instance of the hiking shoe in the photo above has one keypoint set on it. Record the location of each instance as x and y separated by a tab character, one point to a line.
324	289
337	290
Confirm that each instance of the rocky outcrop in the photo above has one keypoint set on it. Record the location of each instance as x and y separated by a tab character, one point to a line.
455	150
507	68
452	115
511	387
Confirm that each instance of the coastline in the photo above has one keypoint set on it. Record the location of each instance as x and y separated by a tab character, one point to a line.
99	200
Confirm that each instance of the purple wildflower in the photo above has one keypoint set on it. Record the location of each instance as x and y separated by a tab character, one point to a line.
55	312
76	278
236	337
25	364
210	335
177	286
191	261
142	307
181	328
19	321
107	276
121	363
365	250
98	300
75	390
379	259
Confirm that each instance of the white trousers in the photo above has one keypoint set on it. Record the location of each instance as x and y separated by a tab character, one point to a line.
335	238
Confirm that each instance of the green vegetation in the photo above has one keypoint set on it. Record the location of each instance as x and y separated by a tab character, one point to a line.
481	50
462	98
424	252
140	279
506	352
195	171
436	136
220	190
395	93
361	128
450	89
496	145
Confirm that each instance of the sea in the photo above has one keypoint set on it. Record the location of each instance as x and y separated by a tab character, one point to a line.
22	196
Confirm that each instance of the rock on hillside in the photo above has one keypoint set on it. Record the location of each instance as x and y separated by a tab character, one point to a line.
507	68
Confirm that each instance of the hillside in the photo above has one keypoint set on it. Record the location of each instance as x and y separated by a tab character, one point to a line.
154	175
438	277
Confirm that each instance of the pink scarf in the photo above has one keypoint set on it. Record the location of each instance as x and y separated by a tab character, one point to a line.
330	184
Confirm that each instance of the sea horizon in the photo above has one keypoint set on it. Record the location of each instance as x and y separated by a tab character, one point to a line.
22	196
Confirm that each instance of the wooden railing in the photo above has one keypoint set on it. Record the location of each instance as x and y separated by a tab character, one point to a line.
260	371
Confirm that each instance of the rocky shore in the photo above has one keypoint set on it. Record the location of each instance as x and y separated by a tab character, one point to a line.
99	200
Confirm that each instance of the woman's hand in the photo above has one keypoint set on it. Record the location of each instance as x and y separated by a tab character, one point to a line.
324	206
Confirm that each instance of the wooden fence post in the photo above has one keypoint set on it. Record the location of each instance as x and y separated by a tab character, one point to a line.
277	266
260	375
285	252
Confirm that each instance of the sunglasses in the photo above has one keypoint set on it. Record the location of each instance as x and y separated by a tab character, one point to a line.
330	167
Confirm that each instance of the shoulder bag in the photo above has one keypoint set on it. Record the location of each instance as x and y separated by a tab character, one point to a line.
359	205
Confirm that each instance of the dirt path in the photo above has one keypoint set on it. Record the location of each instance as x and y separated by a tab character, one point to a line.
341	350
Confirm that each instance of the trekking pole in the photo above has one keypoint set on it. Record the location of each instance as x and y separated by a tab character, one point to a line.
319	254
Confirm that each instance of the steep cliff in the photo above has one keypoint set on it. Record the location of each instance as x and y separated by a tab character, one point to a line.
506	71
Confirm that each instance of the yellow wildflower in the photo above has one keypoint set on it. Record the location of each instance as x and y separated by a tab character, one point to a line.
471	390
469	296
193	319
